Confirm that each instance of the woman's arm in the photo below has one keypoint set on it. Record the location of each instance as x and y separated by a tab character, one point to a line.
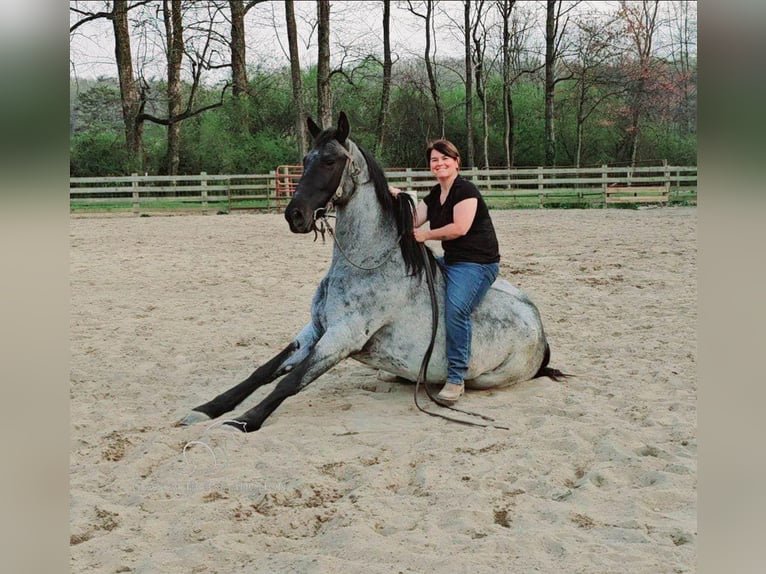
421	214
462	218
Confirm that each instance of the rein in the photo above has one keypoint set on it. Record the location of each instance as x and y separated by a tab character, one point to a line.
325	226
427	358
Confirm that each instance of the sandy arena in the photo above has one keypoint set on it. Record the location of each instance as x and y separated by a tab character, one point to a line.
597	474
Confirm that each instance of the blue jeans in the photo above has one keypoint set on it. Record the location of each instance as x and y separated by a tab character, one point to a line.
467	284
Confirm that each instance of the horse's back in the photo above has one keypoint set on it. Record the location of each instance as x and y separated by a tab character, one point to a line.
507	340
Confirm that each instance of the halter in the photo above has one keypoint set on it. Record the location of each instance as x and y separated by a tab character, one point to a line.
324	224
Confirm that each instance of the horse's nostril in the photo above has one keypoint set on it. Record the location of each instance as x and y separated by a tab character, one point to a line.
295	218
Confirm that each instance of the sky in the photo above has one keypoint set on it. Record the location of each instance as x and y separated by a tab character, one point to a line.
91	50
353	24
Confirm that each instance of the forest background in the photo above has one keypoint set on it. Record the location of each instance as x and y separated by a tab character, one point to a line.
176	87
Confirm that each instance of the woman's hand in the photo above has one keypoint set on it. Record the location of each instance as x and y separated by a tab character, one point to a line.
421	235
394	190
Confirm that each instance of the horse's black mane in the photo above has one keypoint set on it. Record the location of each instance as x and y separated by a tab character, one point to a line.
402	209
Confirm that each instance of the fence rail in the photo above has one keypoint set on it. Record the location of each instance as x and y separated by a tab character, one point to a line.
519	187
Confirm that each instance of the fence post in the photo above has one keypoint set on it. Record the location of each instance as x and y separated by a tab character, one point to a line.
134	183
203	184
540	185
604	180
271	184
667	179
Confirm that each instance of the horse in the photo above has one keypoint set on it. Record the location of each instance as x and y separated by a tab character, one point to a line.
372	304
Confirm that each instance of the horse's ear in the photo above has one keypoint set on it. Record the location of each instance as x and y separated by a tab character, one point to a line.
343	128
313	128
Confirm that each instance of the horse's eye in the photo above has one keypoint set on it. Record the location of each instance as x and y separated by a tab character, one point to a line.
329	161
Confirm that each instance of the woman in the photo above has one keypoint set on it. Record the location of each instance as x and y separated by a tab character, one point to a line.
459	218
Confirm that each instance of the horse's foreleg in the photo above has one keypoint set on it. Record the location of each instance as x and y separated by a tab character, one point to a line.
277	366
329	351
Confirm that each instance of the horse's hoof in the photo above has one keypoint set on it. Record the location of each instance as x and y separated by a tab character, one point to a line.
192	418
234	425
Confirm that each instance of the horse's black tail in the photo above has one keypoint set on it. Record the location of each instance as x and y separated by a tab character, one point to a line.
546	371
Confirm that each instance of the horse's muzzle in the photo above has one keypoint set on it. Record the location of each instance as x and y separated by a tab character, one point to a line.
299	221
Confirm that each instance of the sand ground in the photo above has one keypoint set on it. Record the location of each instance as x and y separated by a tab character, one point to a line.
597	474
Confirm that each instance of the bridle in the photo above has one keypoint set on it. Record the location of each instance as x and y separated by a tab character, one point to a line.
322	224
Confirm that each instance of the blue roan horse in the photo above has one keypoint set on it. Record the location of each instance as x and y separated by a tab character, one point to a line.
373	304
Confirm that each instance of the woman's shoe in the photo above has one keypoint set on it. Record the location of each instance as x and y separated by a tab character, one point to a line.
450	393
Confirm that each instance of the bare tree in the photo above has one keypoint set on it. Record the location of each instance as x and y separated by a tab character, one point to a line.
386	89
428	18
295	76
481	69
132	97
505	7
641	23
595	51
324	77
683	38
199	53
556	20
238	10
516	25
468	83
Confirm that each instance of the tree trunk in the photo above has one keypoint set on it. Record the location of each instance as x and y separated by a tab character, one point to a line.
387	65
430	69
508	118
175	50
129	92
468	85
238	50
324	89
580	121
480	44
642	21
295	75
550	80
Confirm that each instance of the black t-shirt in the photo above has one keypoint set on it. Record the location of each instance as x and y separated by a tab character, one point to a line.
479	245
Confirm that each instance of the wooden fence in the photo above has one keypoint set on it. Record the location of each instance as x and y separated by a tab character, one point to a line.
519	187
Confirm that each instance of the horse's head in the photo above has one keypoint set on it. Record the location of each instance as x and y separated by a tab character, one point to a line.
328	172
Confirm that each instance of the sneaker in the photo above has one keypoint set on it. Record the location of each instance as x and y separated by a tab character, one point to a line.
450	393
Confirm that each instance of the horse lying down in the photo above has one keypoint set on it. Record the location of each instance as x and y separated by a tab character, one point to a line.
373	305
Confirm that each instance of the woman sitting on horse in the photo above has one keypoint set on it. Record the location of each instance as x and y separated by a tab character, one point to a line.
460	219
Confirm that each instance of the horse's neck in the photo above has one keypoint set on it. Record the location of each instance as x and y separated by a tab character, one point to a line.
361	224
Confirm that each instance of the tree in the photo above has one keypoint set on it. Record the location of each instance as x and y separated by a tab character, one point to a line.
199	52
386	88
324	86
295	77
427	26
593	72
238	10
468	83
641	23
132	98
481	71
682	38
506	8
555	30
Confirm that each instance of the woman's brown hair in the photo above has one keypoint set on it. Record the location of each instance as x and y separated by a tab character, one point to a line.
443	146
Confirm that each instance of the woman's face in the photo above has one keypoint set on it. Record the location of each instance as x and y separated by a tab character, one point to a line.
443	166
